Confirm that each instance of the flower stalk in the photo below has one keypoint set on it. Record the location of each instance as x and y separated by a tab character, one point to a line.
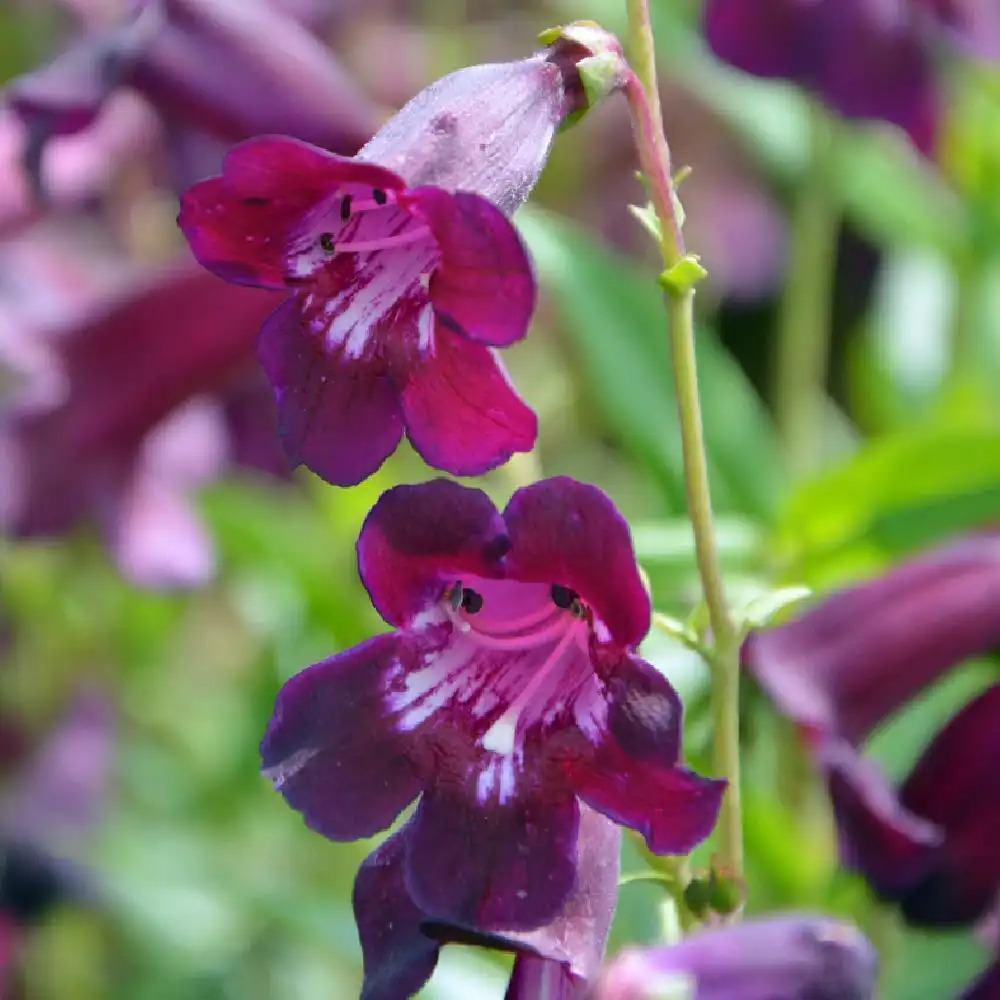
682	271
803	341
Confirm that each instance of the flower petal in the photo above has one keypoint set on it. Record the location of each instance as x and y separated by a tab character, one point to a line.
416	537
986	987
767	38
862	653
567	532
462	414
956	784
483	288
331	748
398	958
509	865
890	846
340	418
239	225
534	977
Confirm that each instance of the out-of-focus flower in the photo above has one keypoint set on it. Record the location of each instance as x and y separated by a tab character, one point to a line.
987	987
792	957
135	399
890	74
187	74
507	694
845	666
558	960
55	803
404	271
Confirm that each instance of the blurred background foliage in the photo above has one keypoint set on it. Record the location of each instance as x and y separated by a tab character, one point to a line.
208	886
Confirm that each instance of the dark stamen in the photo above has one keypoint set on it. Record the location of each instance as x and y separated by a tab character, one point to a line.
326	242
563	597
380	196
345	207
472	601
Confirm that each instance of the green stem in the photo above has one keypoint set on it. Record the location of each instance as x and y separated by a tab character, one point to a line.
803	342
654	157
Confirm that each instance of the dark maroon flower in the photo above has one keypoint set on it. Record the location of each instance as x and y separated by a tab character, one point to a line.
145	397
508	692
987	987
401	943
890	74
403	268
845	666
791	957
230	68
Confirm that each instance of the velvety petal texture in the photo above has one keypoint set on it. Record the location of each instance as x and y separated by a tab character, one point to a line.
400	941
396	294
503	701
793	957
890	75
853	660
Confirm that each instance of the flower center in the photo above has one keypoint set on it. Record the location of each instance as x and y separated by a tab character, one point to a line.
544	630
353	208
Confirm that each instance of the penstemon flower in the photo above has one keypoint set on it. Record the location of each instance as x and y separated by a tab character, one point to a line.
787	957
890	74
403	269
508	693
846	665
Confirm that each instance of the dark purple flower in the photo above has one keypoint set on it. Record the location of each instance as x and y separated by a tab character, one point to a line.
398	296
986	987
401	943
508	693
141	397
229	68
791	957
845	666
889	75
404	271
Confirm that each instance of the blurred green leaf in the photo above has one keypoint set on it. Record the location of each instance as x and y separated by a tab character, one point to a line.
617	330
896	495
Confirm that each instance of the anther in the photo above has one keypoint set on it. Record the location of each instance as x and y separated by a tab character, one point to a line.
380	196
472	601
345	207
326	242
563	597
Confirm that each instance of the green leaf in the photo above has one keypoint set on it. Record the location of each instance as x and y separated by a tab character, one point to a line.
896	495
616	326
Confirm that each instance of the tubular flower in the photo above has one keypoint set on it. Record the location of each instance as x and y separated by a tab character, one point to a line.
792	957
121	418
508	693
401	944
846	665
891	73
403	270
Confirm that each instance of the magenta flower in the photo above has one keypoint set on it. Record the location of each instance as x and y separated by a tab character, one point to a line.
845	666
398	295
891	72
122	418
401	943
403	269
791	957
508	693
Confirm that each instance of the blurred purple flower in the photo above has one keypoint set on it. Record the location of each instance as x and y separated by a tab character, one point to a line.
122	414
791	957
397	296
231	68
890	73
508	693
849	663
987	987
401	943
